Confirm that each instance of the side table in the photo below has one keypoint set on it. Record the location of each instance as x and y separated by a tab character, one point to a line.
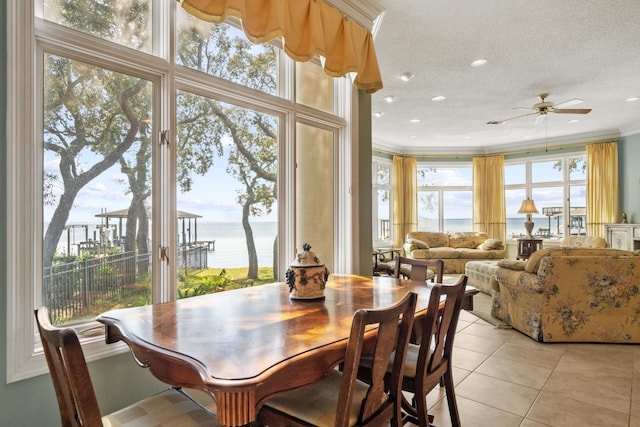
528	246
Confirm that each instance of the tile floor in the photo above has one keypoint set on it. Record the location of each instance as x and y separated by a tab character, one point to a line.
504	379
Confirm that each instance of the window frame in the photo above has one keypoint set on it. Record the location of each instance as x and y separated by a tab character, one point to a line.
440	190
28	35
374	196
566	183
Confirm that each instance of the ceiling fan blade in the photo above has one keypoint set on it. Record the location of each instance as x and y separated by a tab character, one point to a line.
572	110
511	118
569	103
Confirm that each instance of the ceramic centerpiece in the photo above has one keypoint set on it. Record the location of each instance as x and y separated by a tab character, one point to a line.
306	276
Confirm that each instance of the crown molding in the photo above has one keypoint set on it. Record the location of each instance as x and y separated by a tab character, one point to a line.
364	12
574	139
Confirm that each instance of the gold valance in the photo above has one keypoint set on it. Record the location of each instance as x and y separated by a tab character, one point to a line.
308	27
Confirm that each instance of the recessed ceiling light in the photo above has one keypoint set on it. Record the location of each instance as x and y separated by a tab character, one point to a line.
633	99
405	77
478	62
378	114
412	137
438	98
574	121
466	137
390	98
414	120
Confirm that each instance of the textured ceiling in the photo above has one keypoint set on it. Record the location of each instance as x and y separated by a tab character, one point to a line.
587	49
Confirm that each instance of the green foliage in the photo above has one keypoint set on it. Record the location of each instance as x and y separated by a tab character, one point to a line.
191	285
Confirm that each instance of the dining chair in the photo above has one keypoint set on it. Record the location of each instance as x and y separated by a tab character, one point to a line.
340	399
429	364
77	400
418	269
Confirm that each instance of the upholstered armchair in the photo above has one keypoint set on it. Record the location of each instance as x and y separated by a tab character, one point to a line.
571	295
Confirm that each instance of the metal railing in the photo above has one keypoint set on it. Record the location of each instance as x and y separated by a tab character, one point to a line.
71	289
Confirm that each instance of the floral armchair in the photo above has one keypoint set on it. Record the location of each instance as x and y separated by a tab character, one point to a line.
571	295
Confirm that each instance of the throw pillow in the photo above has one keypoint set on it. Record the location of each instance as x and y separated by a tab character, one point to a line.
490	244
418	243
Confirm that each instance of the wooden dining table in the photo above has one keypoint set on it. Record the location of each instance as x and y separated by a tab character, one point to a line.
247	345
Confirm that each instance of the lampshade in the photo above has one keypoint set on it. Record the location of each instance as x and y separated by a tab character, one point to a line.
528	207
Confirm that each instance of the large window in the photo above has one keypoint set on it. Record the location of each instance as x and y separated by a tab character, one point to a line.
148	168
557	185
382	209
445	200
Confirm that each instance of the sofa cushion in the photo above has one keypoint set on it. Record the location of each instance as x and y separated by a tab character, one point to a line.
469	240
480	253
444	252
418	244
432	238
584	242
490	244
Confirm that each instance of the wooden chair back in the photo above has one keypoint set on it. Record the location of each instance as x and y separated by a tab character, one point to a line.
68	367
418	268
378	335
391	340
433	365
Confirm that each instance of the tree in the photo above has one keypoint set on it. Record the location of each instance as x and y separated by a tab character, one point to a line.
252	156
96	118
87	110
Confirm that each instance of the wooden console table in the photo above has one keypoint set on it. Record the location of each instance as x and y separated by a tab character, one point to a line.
528	246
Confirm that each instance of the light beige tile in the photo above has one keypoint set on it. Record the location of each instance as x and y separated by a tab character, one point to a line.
467	359
559	410
598	360
515	371
531	352
613	393
530	423
489	331
465	316
474	414
476	343
497	393
635	396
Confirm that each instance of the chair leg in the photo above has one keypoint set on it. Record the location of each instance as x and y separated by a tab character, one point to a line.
423	417
451	399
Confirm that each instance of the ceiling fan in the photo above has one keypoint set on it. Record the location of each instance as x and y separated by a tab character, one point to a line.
543	107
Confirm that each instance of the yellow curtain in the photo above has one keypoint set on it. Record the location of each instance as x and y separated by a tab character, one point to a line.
602	186
308	27
489	214
405	198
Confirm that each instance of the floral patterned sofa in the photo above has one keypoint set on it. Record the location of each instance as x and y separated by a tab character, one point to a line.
571	295
455	249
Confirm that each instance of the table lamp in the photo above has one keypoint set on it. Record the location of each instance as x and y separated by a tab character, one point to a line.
528	207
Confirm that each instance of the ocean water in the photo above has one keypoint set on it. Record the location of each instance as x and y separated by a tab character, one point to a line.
230	243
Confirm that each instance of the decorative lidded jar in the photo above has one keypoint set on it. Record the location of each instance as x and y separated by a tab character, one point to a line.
306	276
